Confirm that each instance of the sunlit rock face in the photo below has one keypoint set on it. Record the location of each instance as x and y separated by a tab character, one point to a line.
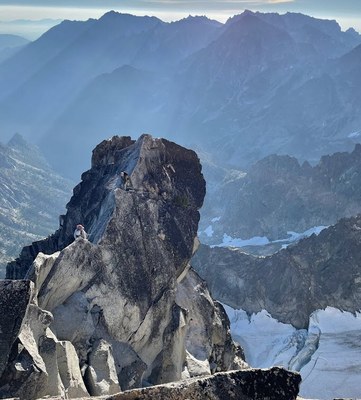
126	299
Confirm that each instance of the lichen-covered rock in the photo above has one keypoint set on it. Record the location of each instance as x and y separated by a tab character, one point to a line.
250	384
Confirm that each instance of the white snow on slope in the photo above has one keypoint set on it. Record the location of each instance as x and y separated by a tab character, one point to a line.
331	349
266	342
209	231
335	368
229	241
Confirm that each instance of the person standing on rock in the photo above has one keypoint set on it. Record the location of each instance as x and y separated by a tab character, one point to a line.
80	232
127	184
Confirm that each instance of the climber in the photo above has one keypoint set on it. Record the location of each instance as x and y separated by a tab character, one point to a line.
127	184
80	232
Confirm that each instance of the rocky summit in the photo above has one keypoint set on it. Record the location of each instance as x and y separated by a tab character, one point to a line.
122	309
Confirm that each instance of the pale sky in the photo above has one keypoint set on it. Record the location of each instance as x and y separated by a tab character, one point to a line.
346	12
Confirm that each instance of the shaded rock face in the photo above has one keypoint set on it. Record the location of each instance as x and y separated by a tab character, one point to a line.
14	300
317	272
278	195
120	298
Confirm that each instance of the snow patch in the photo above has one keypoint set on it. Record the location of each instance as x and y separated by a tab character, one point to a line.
295	236
354	134
229	241
209	231
215	219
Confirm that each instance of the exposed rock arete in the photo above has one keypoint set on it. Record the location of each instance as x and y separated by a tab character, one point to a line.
122	309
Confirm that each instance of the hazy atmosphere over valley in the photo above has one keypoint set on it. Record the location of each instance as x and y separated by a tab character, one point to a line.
180	197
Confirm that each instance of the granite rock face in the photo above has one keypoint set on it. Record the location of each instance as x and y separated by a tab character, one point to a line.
120	299
317	272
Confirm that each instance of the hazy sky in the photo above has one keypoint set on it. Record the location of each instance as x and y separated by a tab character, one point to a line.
346	12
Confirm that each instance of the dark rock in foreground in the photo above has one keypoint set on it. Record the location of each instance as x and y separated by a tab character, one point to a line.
249	384
252	384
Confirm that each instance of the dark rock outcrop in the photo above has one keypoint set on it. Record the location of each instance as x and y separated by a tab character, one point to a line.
248	384
121	298
317	272
14	301
273	384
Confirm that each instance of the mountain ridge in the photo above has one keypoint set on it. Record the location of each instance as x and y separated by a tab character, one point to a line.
32	196
281	84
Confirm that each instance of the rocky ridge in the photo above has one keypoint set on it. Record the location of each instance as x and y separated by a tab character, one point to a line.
121	309
294	282
278	195
257	85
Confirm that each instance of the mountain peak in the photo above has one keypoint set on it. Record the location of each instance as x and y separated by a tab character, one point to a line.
18	142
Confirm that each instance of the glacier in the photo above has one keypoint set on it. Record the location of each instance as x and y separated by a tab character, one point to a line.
328	354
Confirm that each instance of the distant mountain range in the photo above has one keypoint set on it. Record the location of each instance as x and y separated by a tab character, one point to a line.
256	85
278	195
31	198
10	44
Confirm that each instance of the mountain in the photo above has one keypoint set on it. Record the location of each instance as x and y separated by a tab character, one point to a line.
66	58
10	44
257	85
298	308
123	309
32	197
278	196
7	41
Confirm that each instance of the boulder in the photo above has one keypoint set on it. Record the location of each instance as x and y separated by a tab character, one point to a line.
70	374
101	376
